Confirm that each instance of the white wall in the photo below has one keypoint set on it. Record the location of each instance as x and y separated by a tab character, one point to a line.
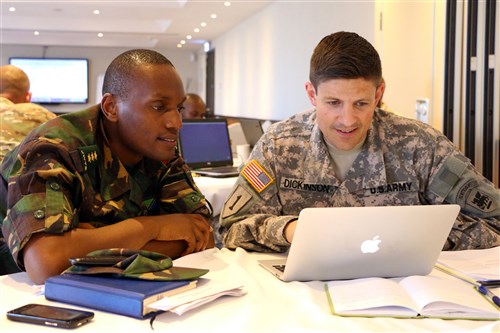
411	46
99	59
263	63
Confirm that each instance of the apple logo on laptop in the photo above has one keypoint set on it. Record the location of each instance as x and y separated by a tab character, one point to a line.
371	245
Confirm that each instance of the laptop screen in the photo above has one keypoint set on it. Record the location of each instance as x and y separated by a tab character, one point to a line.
205	143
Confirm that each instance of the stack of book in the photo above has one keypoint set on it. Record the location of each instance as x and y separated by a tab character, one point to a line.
130	297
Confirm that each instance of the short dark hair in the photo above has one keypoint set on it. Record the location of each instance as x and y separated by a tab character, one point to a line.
344	55
121	72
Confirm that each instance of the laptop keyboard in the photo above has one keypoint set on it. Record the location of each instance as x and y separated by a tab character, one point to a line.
280	268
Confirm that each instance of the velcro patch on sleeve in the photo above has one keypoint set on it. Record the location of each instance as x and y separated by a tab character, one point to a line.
239	198
256	176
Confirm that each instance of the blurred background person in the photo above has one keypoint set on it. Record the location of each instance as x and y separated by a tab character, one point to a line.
18	116
194	107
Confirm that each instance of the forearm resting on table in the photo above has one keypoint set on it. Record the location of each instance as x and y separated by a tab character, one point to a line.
46	254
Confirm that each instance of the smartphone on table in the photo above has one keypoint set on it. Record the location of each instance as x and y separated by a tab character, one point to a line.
50	315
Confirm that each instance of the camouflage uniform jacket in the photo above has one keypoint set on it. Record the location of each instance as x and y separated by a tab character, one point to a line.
17	120
64	173
402	162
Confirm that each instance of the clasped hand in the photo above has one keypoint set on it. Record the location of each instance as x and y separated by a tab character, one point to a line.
194	229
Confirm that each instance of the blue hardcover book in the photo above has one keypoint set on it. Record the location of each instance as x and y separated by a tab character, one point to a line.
129	297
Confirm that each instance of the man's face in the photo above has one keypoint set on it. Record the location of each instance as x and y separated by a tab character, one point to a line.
148	118
344	109
194	109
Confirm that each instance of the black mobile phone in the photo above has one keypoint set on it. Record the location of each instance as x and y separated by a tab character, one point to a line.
50	316
96	261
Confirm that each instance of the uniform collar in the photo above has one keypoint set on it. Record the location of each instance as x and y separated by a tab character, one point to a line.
115	179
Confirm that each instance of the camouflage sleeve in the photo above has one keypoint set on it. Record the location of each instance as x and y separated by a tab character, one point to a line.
478	224
17	120
251	216
179	193
39	193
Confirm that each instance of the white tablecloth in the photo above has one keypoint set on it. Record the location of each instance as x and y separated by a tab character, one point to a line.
216	190
269	306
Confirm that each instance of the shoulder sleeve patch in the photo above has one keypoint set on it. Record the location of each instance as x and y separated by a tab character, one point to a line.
238	199
256	176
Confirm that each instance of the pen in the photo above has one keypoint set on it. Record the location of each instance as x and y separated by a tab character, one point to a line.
485	291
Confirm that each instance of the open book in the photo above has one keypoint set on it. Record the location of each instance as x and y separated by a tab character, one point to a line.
410	297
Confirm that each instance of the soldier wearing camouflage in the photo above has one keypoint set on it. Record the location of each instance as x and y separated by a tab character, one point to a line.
65	173
346	152
401	162
17	121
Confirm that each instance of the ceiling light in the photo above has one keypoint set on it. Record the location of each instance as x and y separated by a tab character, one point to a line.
203	24
12	9
100	34
36	32
183	42
207	46
227	3
179	45
97	12
189	37
196	29
214	16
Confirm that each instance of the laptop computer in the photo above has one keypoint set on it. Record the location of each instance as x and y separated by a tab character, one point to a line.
356	242
245	131
204	145
252	129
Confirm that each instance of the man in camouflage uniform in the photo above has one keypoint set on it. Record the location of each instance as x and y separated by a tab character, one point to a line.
106	177
347	152
17	118
17	115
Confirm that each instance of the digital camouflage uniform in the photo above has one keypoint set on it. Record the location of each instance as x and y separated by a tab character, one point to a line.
402	162
65	173
17	120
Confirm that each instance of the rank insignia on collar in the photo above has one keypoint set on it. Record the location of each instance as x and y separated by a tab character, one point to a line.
89	156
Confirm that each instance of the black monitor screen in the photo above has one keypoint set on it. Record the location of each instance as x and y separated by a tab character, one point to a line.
56	80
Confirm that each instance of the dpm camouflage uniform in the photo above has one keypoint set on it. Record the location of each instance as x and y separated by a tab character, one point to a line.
64	173
17	120
402	162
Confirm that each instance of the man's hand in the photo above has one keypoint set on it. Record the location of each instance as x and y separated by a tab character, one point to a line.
194	229
289	231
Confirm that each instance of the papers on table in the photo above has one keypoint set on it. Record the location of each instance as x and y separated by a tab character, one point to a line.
475	264
207	291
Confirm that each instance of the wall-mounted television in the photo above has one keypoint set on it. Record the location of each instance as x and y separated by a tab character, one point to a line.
56	80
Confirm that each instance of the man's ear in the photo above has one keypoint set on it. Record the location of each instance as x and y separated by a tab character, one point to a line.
311	93
379	93
28	97
109	107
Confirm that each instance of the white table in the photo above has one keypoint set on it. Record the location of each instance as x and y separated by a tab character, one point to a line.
269	306
216	190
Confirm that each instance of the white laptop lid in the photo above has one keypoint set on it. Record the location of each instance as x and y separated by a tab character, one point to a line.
355	242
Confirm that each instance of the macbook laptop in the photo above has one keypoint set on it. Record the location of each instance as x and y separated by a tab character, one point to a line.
357	242
204	145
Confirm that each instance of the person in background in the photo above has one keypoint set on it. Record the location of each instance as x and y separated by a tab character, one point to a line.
346	152
95	179
17	115
17	118
194	107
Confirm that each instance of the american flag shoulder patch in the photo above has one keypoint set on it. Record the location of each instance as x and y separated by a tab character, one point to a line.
255	174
